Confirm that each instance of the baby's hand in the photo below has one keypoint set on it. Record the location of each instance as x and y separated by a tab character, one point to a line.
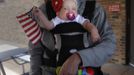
36	11
95	37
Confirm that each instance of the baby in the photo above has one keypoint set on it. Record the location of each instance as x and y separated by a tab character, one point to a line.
67	13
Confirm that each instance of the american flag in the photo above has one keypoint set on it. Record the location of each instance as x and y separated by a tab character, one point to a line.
30	26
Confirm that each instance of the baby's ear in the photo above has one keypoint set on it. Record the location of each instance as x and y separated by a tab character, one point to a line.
57	13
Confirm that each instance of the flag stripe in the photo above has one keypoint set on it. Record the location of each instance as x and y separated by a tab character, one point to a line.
36	36
33	37
22	15
34	25
33	32
23	20
37	39
28	24
31	28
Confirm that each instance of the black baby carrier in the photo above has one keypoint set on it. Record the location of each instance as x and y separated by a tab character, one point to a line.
70	36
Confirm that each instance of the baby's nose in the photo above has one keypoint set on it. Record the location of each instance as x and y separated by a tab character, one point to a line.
70	10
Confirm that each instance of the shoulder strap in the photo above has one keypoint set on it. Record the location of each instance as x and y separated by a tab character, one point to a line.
89	9
49	10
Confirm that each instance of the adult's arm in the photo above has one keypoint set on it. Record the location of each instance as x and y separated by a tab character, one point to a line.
102	52
38	51
47	23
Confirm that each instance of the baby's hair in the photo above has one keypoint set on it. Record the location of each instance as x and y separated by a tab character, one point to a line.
75	1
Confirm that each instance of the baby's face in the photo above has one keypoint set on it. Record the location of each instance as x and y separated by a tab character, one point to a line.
69	7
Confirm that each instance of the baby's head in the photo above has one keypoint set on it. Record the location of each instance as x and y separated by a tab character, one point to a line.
68	10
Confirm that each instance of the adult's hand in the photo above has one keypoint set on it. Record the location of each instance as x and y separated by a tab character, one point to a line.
70	67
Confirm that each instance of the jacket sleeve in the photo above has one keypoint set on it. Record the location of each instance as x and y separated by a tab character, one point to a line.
102	52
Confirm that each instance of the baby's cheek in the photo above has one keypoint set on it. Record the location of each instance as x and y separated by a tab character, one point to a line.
75	13
64	15
62	11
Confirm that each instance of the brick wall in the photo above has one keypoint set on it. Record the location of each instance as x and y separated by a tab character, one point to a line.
117	20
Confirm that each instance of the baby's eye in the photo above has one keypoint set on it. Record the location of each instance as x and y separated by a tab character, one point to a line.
65	8
73	8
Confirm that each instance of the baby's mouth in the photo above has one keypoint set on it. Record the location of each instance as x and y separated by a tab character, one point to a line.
70	16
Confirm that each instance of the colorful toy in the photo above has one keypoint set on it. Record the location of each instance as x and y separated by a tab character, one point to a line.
81	71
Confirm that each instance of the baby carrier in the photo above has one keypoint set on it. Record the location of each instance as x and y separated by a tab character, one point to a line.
70	37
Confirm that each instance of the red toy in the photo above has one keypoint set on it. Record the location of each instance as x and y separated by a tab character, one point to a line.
57	4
